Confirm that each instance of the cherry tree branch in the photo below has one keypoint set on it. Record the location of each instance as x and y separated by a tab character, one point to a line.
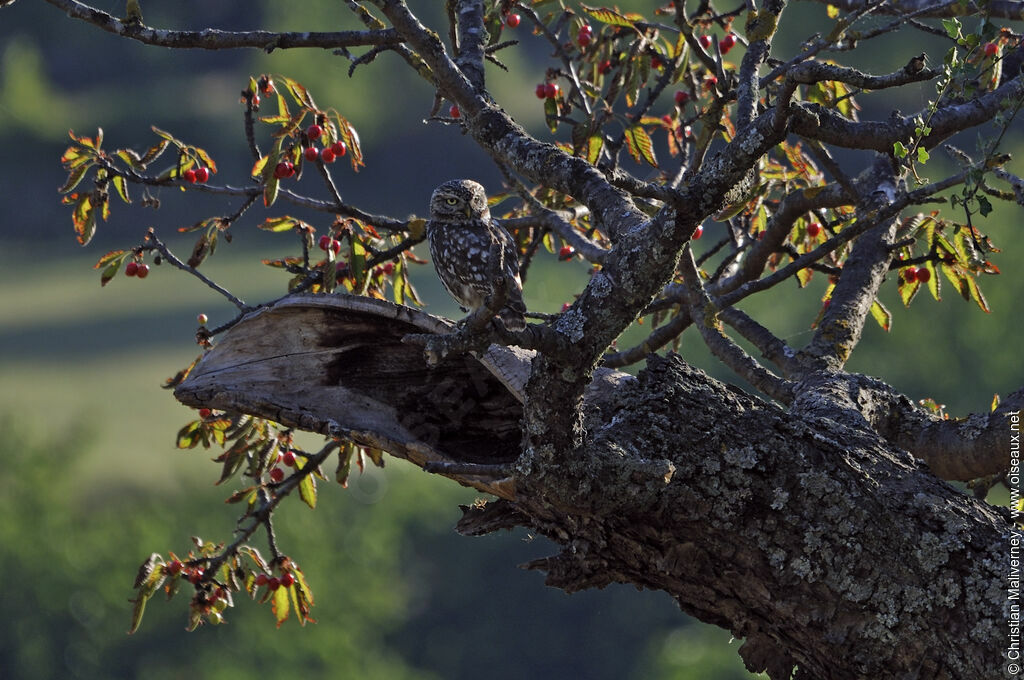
213	39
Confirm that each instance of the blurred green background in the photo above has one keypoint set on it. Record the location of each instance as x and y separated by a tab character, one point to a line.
91	482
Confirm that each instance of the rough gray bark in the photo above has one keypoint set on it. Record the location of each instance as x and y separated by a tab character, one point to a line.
815	540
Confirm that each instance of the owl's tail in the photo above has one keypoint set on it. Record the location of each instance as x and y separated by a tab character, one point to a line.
513	319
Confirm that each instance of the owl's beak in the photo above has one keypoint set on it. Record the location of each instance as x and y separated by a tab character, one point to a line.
467	211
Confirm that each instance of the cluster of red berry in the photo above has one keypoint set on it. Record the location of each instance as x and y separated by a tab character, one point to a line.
328	154
277	472
585	36
139	269
918	274
724	45
547	90
327	243
199	175
274	582
566	253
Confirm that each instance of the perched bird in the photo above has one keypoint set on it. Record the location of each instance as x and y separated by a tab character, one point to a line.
461	233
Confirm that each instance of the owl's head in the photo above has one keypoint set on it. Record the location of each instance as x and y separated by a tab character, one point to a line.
459	199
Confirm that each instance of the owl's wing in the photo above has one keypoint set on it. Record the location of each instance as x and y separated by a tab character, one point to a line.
515	307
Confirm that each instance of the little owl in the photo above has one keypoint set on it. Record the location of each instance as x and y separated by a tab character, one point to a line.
461	233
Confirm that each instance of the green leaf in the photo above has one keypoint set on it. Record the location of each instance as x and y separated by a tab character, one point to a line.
984	205
279	603
551	113
75	177
908	291
189	436
307	491
594	146
280	224
899	150
922	155
952	27
640	145
608	16
881	315
344	464
398	282
975	291
299	93
122	188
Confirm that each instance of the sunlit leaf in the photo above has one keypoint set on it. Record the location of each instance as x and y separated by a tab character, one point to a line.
279	604
75	177
122	188
881	315
611	17
594	146
640	145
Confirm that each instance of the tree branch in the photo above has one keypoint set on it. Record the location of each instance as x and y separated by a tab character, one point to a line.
213	39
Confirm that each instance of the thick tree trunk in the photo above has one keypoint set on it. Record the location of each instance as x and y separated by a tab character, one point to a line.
803	532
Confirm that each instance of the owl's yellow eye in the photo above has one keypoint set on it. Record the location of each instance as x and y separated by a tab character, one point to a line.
451	201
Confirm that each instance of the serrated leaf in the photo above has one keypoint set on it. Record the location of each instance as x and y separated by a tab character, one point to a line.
84	219
640	145
189	436
298	92
279	604
594	146
279	224
975	292
307	491
138	610
922	155
881	315
122	188
398	282
908	291
551	113
75	177
803	276
608	16
153	153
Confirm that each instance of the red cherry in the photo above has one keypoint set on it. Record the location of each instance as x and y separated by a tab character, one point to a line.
389	267
583	39
697	233
327	155
512	20
205	413
189	176
551	90
202	174
339	148
287	580
910	274
274	583
454	111
288	458
566	252
324	242
262	579
284	169
202	319
541	91
990	49
276	475
566	306
314	131
174	566
682	98
266	85
195	576
131	269
826	304
311	153
705	41
710	82
604	67
143	271
667	120
813	229
586	29
924	275
727	43
336	246
656	62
